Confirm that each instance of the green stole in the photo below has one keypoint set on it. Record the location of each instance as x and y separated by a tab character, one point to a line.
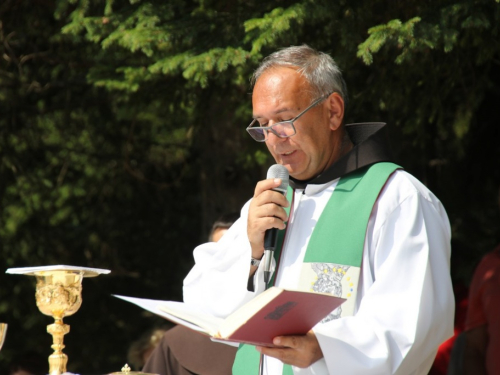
335	250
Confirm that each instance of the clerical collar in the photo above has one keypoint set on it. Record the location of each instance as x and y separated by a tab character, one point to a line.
370	147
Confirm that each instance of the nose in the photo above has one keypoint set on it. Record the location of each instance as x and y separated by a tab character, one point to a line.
273	139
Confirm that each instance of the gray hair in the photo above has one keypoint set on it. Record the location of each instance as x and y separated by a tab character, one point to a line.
318	68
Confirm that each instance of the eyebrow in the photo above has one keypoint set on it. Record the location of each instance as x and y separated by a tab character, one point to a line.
274	113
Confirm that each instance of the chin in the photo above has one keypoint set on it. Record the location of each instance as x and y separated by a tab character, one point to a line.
296	175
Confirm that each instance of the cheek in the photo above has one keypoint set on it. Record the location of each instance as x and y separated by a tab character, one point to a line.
271	151
312	140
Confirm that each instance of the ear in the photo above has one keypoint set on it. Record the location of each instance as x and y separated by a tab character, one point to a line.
336	110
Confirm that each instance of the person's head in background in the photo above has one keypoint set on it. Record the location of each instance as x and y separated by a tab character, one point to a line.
221	225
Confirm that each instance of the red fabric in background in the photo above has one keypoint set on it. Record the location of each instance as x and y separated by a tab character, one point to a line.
440	365
484	306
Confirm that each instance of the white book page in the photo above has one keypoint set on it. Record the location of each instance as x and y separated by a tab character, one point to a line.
190	314
174	311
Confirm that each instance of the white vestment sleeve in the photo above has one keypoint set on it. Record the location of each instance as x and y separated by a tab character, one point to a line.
406	306
218	281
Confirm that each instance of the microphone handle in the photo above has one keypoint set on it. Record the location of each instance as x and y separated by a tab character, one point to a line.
270	239
268	256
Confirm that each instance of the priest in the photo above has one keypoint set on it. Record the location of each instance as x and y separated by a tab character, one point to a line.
353	223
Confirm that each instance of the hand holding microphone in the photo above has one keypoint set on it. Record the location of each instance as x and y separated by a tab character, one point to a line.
266	215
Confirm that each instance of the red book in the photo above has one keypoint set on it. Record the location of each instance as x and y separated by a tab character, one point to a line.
275	312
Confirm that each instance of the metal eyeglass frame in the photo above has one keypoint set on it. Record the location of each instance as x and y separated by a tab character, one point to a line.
257	131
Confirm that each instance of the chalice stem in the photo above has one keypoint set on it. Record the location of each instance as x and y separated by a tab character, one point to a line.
57	360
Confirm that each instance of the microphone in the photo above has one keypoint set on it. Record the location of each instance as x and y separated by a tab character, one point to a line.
271	235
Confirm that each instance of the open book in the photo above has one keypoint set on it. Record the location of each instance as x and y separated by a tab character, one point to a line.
275	312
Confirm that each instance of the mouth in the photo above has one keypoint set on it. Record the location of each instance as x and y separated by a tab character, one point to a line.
287	153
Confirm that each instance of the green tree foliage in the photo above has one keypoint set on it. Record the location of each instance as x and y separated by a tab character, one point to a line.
122	135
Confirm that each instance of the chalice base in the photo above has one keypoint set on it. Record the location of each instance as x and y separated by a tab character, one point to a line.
58	360
57	364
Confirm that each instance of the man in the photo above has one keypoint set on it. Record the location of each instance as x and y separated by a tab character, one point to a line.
482	325
400	301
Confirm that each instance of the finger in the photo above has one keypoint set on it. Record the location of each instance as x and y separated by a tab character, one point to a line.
294	342
267	184
285	355
301	351
297	341
279	199
272	214
269	203
265	212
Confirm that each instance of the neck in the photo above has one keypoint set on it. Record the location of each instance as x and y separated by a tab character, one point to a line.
342	145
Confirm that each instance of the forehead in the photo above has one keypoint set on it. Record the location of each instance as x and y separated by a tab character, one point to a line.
280	87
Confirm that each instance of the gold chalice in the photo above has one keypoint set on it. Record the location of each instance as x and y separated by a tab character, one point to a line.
58	294
3	333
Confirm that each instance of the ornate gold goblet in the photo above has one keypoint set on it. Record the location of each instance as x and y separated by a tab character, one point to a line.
58	294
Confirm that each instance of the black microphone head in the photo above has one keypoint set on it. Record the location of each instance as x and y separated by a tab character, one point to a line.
279	171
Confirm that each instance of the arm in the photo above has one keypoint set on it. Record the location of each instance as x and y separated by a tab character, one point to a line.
218	281
405	304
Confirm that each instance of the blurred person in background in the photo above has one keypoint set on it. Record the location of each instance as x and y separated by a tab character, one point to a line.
482	325
141	349
221	225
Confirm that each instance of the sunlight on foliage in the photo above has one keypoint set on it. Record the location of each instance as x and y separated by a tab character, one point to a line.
264	31
395	33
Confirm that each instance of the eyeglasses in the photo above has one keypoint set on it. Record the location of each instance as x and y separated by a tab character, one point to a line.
282	129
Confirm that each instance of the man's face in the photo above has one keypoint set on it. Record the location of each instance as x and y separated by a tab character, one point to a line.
281	94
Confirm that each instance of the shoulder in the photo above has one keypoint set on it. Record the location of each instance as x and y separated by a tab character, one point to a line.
404	195
402	186
405	184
